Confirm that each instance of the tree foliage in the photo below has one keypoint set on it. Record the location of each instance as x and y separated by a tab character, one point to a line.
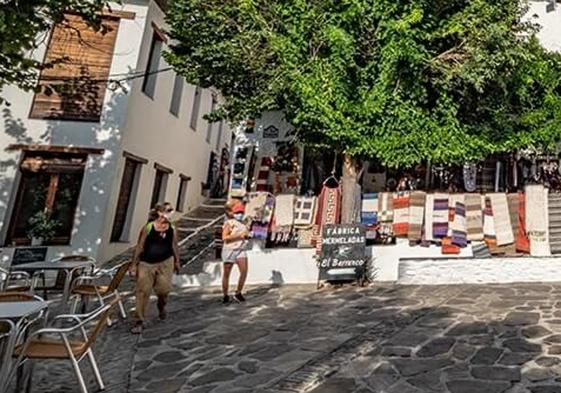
25	25
404	81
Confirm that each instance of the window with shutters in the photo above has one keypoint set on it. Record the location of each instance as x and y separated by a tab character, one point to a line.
196	107
149	83
181	192
50	184
73	83
176	95
126	200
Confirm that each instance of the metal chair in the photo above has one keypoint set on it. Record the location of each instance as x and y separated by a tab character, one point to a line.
85	287
61	345
21	281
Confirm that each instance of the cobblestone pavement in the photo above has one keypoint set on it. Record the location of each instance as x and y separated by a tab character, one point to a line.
388	339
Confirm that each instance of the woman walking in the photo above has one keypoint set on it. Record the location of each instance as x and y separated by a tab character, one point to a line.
155	259
234	237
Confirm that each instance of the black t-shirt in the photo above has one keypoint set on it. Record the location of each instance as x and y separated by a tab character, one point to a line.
158	246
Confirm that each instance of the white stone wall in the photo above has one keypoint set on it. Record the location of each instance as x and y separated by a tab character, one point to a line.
479	271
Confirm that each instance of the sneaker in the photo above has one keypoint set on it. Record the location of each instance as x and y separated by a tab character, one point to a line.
226	299
239	297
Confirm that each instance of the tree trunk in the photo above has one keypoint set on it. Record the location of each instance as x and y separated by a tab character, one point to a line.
349	183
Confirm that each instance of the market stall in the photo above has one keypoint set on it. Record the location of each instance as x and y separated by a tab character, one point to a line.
505	207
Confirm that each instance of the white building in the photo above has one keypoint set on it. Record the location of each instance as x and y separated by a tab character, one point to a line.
97	160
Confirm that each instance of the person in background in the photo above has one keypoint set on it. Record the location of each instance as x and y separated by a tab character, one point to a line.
234	236
155	258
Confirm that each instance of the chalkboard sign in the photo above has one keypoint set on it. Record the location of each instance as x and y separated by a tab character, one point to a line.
343	252
29	254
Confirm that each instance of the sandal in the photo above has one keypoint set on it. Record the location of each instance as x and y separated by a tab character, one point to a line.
137	328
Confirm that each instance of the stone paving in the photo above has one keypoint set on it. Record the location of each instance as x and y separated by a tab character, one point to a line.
384	338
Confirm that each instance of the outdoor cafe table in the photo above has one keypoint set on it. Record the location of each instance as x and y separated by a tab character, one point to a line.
69	267
15	313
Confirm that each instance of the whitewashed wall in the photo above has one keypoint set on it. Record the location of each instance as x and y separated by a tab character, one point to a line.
550	22
17	127
153	133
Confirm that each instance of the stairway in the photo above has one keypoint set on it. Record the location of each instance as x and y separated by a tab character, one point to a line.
554	202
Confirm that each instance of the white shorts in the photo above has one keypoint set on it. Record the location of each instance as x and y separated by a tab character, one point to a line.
231	256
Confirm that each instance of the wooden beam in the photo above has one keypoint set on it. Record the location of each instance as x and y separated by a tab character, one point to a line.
55	149
162	168
118	14
160	33
135	158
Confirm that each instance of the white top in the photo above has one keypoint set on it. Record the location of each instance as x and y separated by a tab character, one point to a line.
236	228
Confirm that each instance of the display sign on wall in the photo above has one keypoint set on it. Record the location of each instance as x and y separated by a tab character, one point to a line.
29	254
343	252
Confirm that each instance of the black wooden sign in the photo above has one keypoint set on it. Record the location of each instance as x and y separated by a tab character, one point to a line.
29	254
343	252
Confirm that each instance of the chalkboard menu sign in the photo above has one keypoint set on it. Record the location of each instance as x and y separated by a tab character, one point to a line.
343	252
29	254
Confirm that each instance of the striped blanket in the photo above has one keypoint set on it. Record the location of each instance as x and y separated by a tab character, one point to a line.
474	217
458	226
501	218
369	211
440	216
522	241
283	218
385	207
489	226
429	209
416	213
401	213
537	220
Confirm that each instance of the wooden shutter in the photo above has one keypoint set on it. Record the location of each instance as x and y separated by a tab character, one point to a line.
78	59
124	199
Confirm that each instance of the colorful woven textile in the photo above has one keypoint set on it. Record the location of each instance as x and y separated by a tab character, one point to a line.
448	248
458	226
554	222
440	216
480	250
305	237
255	207
262	182
501	218
537	220
385	207
513	210
416	215
429	209
401	213
474	217
489	226
369	211
260	211
283	217
328	212
452	200
305	211
522	241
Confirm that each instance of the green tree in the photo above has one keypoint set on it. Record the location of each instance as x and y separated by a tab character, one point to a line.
403	81
25	25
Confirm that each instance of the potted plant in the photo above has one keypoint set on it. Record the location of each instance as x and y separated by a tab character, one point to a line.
41	228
